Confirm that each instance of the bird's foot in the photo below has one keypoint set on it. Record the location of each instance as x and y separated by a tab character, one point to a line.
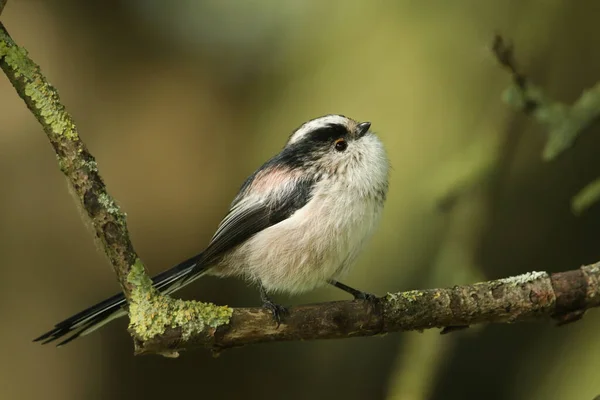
357	294
364	296
278	311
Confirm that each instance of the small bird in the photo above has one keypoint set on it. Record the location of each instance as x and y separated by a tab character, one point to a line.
297	223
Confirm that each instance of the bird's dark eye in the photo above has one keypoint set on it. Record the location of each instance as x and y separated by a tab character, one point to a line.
340	144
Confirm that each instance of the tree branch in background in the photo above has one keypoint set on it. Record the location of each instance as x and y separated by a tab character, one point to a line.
586	197
564	123
162	325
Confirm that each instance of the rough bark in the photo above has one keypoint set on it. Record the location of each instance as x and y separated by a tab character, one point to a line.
562	296
73	157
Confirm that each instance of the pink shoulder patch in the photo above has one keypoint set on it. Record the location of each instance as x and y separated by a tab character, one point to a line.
271	178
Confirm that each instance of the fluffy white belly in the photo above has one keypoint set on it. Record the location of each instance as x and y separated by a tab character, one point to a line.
318	242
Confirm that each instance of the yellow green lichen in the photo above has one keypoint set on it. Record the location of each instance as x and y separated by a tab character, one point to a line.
90	165
151	313
43	96
16	57
411	296
109	204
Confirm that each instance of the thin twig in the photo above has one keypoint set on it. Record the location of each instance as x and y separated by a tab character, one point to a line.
504	53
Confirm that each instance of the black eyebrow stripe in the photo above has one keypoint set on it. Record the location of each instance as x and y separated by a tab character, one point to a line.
328	133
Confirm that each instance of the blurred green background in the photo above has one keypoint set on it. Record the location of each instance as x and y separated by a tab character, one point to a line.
180	101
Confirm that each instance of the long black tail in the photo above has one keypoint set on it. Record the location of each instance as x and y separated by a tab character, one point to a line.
97	315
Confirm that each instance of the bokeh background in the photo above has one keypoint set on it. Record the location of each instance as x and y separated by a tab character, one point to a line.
180	101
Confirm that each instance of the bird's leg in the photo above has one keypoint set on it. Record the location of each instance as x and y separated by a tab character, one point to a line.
277	310
358	295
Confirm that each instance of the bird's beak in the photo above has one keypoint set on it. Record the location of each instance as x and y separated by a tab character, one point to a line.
362	128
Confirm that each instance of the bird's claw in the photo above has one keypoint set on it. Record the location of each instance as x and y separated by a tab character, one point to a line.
277	310
365	296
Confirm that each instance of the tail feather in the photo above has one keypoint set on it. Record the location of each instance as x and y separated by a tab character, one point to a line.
100	314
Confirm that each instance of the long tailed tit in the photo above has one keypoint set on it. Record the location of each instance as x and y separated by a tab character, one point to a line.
297	223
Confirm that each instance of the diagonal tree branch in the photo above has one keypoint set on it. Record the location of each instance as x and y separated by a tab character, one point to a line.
150	312
161	325
74	159
564	123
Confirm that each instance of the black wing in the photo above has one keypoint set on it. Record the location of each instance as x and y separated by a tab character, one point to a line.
251	214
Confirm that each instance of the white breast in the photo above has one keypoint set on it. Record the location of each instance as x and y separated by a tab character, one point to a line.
321	240
317	243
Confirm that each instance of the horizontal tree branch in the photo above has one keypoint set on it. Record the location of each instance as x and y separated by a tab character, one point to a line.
563	296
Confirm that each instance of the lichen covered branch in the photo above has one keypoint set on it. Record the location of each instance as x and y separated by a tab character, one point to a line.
74	159
147	306
536	295
151	314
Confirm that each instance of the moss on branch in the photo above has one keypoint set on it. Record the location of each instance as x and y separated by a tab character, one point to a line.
150	312
562	296
73	157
